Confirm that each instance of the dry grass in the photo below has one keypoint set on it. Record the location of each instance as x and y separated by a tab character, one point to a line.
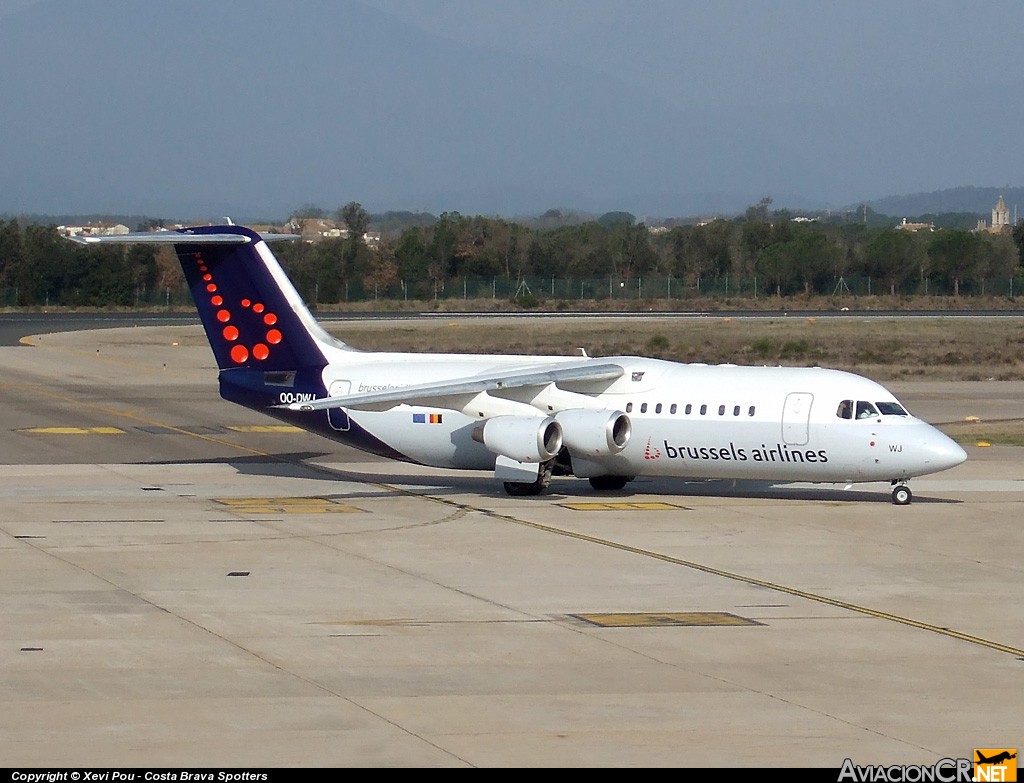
935	348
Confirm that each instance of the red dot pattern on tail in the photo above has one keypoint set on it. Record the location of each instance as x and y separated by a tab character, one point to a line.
240	351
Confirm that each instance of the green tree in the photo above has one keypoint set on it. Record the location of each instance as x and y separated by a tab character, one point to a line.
413	256
775	267
954	254
758	213
997	256
817	258
630	250
894	256
853	239
307	211
12	255
611	219
383	271
755	236
328	259
1018	240
49	265
355	218
805	260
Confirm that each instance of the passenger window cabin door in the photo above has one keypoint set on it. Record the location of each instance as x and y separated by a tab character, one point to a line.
336	417
796	418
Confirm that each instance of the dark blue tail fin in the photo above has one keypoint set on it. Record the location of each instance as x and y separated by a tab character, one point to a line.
252	314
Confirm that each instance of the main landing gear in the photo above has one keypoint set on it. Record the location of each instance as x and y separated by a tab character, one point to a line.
525	488
901	494
608	483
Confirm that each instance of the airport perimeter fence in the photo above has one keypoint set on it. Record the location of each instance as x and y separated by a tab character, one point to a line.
534	291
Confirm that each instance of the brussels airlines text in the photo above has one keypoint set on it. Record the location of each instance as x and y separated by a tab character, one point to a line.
778	452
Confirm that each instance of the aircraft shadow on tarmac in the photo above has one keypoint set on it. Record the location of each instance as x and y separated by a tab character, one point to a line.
285	465
295	465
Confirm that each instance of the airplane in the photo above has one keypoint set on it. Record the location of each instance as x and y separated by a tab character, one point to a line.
996	759
527	418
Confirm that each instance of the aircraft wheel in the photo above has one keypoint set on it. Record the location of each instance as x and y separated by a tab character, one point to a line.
606	483
523	488
902	495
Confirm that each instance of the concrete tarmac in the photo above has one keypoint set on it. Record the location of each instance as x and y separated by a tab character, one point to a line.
185	583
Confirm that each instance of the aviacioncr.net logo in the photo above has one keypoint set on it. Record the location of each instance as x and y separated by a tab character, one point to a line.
942	771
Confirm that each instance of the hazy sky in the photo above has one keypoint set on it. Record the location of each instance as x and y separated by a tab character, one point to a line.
785	50
831	103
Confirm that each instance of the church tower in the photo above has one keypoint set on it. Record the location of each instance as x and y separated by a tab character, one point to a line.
1000	215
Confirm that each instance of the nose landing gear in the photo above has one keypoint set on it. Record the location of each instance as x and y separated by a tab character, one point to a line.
901	494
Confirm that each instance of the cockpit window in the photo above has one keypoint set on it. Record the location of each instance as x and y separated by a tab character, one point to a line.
845	409
891	409
865	410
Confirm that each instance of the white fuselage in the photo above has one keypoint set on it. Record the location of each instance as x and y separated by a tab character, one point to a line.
688	420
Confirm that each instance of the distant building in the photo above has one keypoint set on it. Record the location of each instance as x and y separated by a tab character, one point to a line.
1000	219
92	230
905	226
1001	215
318	229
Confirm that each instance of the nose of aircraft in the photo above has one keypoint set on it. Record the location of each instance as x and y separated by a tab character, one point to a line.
940	451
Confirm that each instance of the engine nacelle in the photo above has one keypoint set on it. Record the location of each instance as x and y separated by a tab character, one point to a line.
594	433
522	438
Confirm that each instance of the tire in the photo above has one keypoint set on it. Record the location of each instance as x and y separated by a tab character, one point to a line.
608	483
902	496
519	489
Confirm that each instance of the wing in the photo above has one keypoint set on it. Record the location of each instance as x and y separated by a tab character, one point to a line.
426	392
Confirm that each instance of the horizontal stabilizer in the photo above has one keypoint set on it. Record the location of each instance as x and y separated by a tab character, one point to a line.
175	238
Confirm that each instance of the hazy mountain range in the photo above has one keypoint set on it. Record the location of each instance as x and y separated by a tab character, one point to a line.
252	108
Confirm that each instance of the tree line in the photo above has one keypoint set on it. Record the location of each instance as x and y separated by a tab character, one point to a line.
422	258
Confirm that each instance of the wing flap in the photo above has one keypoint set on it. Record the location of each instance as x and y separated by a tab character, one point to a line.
426	392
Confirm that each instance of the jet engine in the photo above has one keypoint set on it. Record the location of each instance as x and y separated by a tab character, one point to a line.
594	433
522	438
